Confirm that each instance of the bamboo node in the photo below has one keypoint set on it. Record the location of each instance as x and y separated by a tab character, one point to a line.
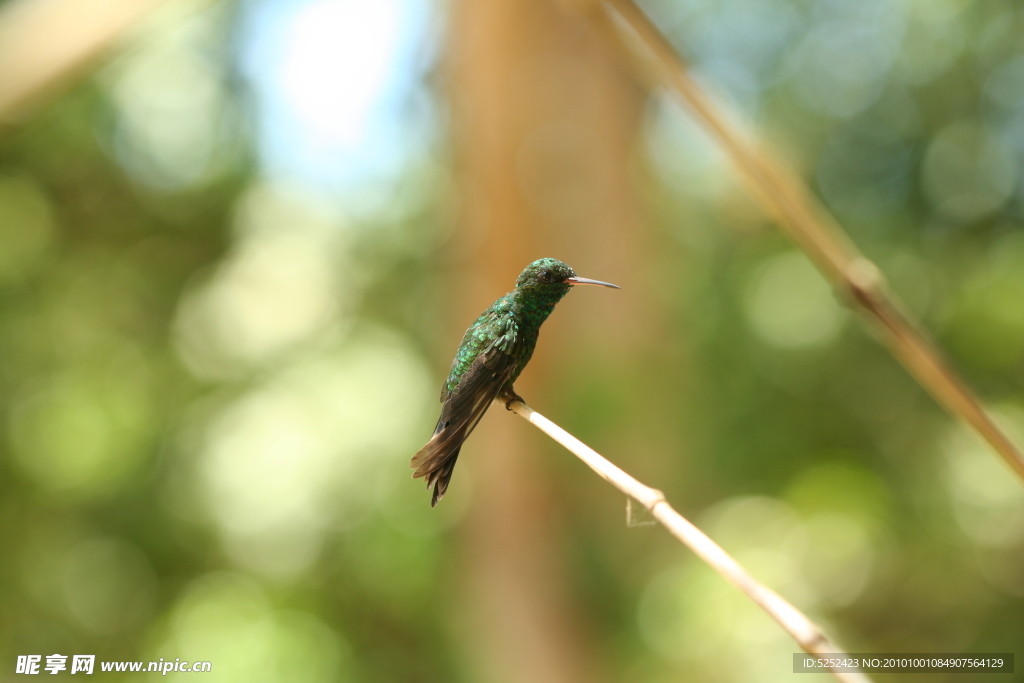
865	283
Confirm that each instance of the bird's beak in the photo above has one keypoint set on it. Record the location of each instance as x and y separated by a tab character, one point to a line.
588	281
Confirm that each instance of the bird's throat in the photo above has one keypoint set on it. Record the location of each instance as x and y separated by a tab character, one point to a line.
533	308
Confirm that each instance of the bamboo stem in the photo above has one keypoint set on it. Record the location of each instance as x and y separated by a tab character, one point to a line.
47	45
805	221
807	634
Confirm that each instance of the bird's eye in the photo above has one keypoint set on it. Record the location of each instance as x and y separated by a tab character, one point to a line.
545	275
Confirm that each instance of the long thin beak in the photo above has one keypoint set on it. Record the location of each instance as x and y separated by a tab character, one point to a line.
588	281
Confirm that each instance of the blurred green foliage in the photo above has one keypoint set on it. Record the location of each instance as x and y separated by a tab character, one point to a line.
211	382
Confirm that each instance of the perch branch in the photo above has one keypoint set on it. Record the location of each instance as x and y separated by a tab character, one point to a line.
808	635
804	220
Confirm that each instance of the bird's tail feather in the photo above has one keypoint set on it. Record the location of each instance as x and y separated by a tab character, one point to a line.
436	460
460	414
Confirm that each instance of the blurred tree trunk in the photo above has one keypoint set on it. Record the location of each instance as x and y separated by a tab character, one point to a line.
544	125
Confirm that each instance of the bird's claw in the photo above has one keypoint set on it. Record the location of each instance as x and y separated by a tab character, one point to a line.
509	400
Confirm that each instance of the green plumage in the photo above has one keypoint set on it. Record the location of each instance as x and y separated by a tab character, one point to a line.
493	352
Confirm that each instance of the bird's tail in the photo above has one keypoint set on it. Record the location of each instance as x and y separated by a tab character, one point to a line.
459	416
436	460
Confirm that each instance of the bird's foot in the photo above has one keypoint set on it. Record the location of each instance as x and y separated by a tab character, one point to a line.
510	397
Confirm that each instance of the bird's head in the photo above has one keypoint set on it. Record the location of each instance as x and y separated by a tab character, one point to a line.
550	278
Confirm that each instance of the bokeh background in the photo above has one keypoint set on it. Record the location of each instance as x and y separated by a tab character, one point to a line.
238	252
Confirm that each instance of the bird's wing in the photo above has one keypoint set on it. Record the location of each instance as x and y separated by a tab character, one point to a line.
462	410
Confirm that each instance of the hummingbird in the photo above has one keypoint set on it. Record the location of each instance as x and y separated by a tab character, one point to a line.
493	352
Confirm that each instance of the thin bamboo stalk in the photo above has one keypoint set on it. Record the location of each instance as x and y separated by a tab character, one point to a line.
805	632
807	223
46	45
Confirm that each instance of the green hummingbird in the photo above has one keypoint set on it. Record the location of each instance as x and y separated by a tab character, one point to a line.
493	352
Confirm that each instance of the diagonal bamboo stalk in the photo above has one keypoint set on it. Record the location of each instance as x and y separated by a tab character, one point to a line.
807	634
46	45
807	223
